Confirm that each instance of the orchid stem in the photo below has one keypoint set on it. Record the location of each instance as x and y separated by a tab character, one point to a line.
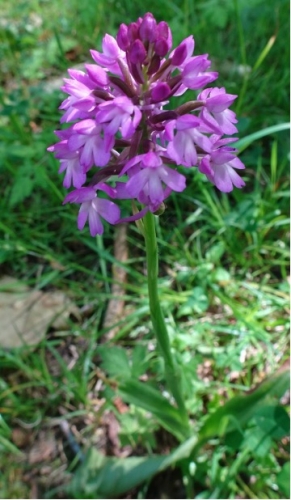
172	376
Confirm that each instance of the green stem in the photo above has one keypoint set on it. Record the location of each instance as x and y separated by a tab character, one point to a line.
171	373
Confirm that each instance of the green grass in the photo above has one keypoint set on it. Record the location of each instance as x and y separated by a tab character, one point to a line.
223	259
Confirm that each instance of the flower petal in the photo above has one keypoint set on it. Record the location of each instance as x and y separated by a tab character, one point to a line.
108	210
172	178
155	188
95	224
137	182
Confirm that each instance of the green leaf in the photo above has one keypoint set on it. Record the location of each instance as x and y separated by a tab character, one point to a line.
246	141
196	303
27	178
270	422
258	441
273	420
234	439
137	429
22	188
139	361
221	276
115	361
283	480
215	253
107	477
148	398
240	409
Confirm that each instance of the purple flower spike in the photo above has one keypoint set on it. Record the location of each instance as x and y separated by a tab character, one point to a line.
120	128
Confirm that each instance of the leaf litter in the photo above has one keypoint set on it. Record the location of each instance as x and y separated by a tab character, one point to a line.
26	314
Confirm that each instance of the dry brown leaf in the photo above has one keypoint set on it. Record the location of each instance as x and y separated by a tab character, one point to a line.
21	437
44	449
26	314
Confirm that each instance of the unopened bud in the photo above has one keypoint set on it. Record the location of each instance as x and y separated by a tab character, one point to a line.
163	29
160	92
161	47
147	30
137	52
133	32
122	37
179	55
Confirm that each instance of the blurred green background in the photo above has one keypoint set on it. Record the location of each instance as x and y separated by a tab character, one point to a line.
224	259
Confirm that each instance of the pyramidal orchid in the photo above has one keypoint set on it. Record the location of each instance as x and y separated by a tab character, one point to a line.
121	142
120	126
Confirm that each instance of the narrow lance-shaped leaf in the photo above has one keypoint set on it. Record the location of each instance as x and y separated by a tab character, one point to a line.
108	477
148	398
240	409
